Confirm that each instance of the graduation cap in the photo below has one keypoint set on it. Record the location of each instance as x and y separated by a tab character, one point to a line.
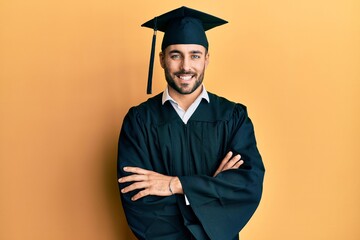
181	26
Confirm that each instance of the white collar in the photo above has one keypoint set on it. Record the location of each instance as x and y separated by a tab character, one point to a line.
166	96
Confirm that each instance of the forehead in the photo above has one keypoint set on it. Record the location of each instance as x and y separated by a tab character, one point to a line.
185	48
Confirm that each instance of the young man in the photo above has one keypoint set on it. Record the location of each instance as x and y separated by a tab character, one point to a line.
188	165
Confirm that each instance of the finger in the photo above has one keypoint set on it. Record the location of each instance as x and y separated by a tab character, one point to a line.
140	194
225	160
232	162
133	178
217	172
238	164
136	170
135	186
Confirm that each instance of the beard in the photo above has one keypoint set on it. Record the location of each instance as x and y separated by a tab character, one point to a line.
180	89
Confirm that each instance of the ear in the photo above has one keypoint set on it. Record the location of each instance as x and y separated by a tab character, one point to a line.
162	59
207	59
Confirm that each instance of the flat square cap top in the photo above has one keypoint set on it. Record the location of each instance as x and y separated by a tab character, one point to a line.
161	22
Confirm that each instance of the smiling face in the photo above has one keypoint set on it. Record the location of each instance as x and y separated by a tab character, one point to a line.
184	66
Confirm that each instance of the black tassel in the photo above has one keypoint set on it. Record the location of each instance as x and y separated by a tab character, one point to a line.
151	65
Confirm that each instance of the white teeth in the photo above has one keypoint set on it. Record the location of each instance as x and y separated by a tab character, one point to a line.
185	77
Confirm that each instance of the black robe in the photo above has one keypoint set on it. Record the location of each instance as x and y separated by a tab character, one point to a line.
155	138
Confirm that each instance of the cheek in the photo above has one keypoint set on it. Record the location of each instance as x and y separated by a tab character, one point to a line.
200	66
171	65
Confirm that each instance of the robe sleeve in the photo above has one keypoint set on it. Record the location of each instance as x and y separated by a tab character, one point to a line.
132	151
225	203
152	217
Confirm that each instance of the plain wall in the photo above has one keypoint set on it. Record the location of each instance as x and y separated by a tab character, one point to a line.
70	70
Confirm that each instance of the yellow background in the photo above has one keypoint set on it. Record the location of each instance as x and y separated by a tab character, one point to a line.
69	71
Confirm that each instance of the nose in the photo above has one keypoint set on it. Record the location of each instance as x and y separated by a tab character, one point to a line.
185	66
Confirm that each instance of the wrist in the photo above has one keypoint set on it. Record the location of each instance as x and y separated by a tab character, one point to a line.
170	187
175	186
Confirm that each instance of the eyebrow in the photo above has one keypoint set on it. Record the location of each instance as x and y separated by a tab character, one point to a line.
196	52
174	51
193	52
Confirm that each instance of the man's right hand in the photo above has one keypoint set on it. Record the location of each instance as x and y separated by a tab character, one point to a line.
229	162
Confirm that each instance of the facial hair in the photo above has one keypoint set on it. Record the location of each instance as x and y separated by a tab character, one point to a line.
171	82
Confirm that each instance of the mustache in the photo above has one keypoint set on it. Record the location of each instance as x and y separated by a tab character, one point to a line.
185	72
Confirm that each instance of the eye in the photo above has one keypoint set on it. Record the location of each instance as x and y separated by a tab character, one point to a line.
175	56
195	56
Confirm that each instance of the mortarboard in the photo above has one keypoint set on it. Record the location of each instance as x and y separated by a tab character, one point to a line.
181	26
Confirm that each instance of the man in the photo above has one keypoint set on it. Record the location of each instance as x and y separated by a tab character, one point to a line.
188	165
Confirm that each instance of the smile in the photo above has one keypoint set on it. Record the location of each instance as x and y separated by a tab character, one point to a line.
185	77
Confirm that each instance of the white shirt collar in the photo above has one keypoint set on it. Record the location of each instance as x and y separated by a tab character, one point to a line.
166	96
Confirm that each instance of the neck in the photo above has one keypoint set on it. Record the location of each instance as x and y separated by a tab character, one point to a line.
185	100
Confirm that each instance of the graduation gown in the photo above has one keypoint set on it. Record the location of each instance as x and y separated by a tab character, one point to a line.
155	138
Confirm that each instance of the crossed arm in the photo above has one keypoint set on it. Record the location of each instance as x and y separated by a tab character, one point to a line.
153	183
